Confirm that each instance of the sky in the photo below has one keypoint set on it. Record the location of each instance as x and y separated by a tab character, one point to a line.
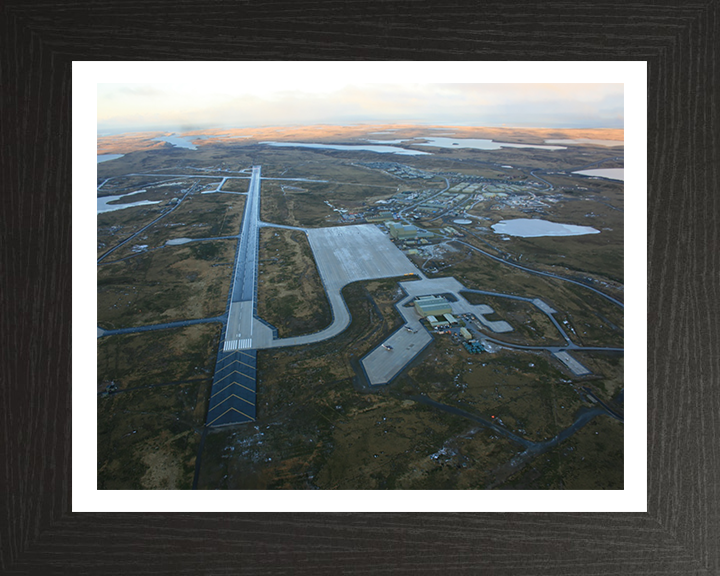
206	103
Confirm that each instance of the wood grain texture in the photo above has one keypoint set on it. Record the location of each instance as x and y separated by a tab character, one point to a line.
680	533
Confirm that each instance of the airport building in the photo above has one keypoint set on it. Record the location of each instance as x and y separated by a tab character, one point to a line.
406	231
379	217
431	305
435	323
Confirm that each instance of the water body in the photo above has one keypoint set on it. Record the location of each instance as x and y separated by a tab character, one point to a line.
179	141
609	173
586	141
107	157
352	148
103	204
536	228
475	143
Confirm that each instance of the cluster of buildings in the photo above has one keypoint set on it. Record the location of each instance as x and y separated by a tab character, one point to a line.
436	311
400	170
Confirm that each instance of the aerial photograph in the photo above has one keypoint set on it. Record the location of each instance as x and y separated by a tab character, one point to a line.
360	286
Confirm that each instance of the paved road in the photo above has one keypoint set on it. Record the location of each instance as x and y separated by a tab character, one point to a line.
550	186
165	326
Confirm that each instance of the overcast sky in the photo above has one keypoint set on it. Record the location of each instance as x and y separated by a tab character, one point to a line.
217	104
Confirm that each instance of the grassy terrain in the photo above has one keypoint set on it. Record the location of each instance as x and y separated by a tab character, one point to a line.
591	459
148	431
291	296
173	283
531	395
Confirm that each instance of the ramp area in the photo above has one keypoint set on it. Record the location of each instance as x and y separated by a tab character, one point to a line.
345	254
383	364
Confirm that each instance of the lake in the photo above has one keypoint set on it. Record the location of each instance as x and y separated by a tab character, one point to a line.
609	173
352	148
586	141
536	228
107	157
179	141
475	143
103	204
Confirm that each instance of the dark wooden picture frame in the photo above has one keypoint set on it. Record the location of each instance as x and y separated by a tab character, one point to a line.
681	530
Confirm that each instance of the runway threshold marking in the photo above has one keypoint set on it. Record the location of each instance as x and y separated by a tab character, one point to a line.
236	361
233	384
231	396
231	373
250	418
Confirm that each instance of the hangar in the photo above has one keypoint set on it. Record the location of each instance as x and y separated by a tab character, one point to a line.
432	306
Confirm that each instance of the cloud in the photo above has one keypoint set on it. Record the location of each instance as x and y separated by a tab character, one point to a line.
547	105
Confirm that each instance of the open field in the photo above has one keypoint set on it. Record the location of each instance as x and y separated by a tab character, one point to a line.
528	392
291	296
172	283
148	431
